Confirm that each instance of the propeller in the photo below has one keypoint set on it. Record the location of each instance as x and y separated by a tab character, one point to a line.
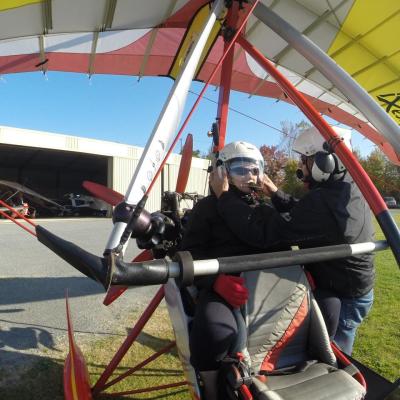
103	193
185	164
109	195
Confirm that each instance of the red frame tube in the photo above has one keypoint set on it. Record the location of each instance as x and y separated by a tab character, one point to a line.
226	79
152	389
17	212
148	312
345	361
5	215
130	371
361	178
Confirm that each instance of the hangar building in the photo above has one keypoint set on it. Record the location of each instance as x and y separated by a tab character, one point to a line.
55	164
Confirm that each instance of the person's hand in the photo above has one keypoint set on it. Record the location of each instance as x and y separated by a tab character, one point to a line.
267	186
219	181
231	289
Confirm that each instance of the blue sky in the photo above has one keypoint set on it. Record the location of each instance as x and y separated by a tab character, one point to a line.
123	109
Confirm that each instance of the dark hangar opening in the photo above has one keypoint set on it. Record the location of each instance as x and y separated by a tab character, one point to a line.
52	173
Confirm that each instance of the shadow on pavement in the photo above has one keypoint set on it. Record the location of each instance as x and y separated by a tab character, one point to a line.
26	338
27	290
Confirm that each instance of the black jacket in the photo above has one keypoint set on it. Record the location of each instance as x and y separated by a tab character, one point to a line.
208	236
331	213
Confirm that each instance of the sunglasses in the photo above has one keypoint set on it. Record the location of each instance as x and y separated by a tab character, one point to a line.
243	171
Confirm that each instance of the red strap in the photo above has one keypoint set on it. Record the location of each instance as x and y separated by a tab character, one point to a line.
244	390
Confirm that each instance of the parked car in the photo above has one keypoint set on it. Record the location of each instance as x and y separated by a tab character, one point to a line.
390	202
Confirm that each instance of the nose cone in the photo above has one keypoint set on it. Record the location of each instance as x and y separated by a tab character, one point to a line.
88	264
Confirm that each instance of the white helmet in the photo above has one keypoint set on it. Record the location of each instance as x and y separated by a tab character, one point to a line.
241	152
311	143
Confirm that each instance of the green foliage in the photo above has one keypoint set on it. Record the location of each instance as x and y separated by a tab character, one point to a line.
197	153
378	339
291	183
384	174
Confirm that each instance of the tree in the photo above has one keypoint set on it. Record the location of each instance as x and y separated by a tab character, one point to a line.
292	184
275	161
374	166
289	134
197	153
384	174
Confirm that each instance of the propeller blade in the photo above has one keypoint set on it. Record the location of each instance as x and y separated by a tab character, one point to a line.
115	291
184	167
76	377
103	193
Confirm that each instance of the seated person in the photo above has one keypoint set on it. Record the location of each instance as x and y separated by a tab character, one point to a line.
217	319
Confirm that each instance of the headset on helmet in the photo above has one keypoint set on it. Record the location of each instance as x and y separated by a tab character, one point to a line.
326	163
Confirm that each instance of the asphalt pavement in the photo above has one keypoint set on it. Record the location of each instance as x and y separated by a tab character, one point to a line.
33	284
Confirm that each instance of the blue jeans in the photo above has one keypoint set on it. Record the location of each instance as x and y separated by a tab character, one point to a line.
352	312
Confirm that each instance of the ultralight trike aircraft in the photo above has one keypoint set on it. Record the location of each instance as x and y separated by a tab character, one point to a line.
339	58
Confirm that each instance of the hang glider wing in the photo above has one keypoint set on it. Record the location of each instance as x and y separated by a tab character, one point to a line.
15	187
148	39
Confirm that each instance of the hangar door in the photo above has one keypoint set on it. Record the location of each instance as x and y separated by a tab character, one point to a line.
52	173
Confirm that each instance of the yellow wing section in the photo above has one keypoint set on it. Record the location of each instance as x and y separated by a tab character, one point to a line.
367	46
192	33
9	4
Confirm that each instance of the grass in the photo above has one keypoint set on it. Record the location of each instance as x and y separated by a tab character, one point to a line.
44	379
378	338
377	346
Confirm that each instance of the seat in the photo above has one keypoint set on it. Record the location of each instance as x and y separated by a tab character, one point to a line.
290	351
288	342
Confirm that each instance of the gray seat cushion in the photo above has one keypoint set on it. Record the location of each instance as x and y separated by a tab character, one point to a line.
318	382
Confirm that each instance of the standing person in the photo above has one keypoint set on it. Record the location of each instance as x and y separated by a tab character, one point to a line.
218	323
332	212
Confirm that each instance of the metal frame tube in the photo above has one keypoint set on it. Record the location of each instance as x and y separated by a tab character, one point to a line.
139	366
226	79
332	71
361	178
119	355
